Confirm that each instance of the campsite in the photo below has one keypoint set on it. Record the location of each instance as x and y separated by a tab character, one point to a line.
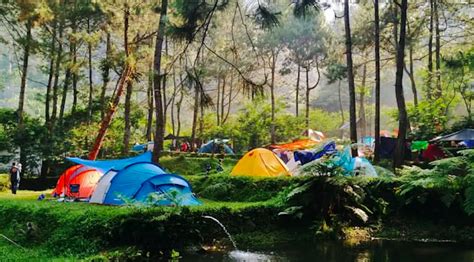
236	130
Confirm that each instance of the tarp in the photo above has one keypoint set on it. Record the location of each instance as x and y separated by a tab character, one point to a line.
344	159
137	182
461	135
419	145
296	145
433	152
308	156
467	143
260	162
105	165
314	135
213	147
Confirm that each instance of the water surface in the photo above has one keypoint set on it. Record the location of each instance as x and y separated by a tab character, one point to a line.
381	250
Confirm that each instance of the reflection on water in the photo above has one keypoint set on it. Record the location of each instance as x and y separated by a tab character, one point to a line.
382	250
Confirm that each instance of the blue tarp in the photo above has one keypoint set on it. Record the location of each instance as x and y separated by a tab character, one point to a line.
116	164
305	156
344	159
213	147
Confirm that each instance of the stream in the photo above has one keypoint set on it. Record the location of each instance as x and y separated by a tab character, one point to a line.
377	250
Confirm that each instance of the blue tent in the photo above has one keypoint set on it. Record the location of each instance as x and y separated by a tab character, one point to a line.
143	182
116	164
213	147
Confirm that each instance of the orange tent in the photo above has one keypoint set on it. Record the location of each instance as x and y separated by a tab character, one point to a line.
78	181
62	184
296	145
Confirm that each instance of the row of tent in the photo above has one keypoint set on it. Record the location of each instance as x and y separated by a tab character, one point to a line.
116	182
262	162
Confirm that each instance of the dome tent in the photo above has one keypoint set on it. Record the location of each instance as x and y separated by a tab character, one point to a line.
78	182
140	181
260	162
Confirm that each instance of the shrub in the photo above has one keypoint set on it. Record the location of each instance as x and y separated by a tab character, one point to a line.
4	182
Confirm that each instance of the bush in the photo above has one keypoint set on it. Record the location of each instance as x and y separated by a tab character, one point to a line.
4	182
239	188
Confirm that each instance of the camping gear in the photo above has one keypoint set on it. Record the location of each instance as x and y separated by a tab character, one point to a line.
314	135
299	144
117	164
461	135
419	145
307	156
260	162
363	167
143	182
467	143
433	152
344	159
77	182
213	146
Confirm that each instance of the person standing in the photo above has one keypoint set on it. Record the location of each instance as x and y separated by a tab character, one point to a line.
15	177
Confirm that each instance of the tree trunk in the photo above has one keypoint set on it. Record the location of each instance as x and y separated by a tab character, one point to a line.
272	97
126	115
307	98
105	76
164	78
24	73
229	100
56	78
362	120
377	81
74	73
350	77
403	120
439	91
91	88
411	74
157	89
297	102
222	100
430	54
123	81
218	100
178	111
173	100
341	108
50	79
195	116
151	110
67	80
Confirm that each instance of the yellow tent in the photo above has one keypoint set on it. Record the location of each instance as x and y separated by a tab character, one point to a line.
260	162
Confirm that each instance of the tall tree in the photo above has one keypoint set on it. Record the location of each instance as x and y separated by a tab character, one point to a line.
377	80
159	124
350	76
24	70
121	84
402	113
126	117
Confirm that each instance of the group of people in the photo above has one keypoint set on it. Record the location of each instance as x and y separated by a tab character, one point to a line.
15	172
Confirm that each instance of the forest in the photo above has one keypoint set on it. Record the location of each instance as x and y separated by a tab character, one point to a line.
360	113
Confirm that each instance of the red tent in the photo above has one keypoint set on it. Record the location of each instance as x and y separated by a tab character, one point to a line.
78	181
